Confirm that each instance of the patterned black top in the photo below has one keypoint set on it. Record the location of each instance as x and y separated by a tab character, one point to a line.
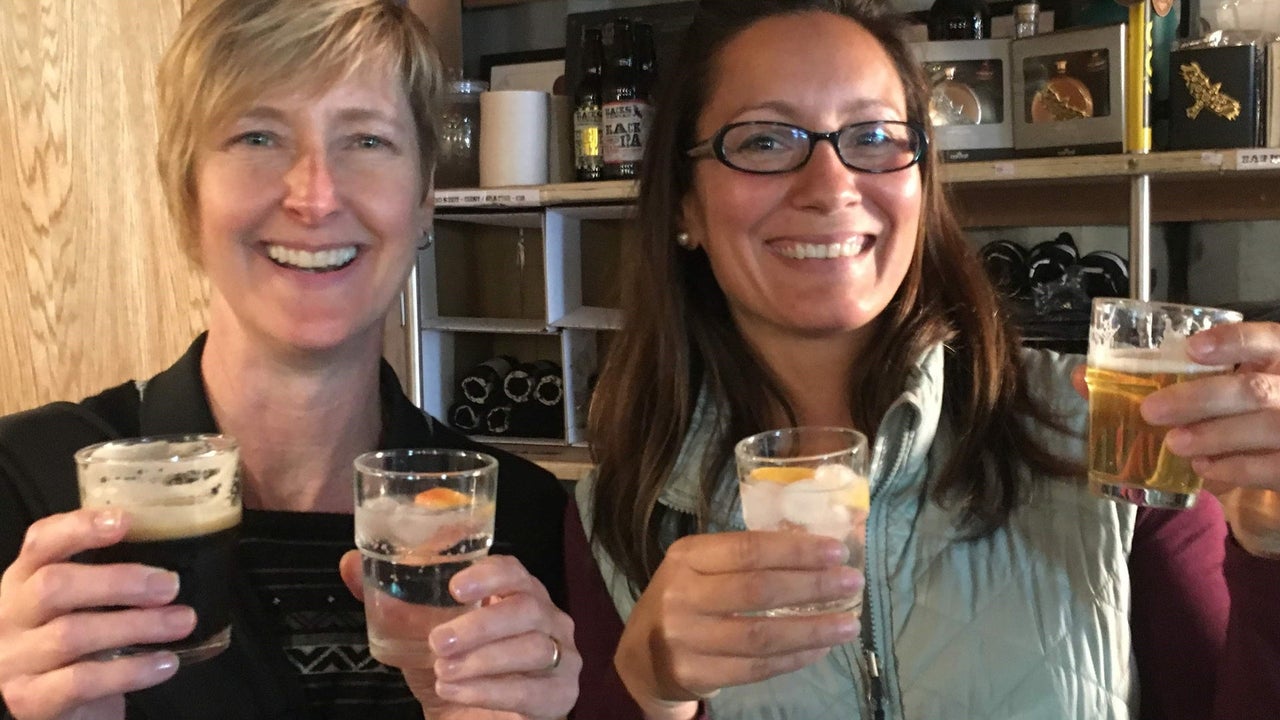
302	658
291	560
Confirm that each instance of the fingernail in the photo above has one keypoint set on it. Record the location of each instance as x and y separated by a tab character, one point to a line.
1201	466
108	519
850	579
465	592
1202	344
164	663
445	690
179	618
848	626
446	669
1177	440
442	640
837	553
162	584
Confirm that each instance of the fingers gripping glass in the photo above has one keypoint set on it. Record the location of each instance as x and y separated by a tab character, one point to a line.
879	146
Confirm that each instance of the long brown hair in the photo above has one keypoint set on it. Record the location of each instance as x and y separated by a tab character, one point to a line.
677	334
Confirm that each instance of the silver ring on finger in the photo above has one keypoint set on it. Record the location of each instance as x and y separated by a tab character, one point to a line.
555	655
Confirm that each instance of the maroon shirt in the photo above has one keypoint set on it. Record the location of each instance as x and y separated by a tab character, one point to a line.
1205	630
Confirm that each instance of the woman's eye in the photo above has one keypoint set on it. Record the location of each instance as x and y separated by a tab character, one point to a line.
761	143
370	142
875	137
255	138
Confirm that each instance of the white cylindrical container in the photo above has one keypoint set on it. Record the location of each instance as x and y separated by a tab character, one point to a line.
513	138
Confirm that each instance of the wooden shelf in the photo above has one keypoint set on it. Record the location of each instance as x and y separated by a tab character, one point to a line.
486	325
567	462
480	4
1189	185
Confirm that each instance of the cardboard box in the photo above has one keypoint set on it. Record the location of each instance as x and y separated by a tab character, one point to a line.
1215	97
971	97
1068	90
1272	118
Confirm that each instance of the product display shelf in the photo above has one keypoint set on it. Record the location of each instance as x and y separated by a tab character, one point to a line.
532	270
502	276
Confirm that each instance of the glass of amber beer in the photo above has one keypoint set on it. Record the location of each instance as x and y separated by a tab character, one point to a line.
1135	348
182	494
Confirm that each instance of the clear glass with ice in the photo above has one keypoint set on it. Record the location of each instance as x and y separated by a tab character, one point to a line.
808	479
422	516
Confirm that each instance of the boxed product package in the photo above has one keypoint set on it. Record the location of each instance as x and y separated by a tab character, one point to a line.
1068	89
1216	96
971	97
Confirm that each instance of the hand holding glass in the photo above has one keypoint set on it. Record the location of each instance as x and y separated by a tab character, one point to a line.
1135	348
808	479
182	494
422	516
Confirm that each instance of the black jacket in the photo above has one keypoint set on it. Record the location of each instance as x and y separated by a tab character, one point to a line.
252	679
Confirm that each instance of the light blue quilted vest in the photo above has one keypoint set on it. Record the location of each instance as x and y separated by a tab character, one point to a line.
1030	623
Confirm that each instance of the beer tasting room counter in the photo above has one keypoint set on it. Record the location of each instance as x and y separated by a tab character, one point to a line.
518	289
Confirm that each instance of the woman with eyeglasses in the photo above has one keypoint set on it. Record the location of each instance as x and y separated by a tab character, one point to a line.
798	264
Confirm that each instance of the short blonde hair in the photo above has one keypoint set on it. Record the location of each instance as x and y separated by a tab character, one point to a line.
228	52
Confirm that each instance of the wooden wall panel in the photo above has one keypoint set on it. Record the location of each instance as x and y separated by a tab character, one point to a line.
93	289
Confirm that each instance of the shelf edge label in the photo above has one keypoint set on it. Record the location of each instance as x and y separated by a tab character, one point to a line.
500	197
1258	159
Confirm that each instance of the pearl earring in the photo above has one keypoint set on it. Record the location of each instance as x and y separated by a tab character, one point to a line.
684	241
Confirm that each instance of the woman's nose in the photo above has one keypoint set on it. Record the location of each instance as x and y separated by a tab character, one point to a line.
311	190
825	183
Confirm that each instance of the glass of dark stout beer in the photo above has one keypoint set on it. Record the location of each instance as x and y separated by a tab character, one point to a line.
182	494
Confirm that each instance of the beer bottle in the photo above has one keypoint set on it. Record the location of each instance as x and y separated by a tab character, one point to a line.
625	112
959	20
645	60
586	108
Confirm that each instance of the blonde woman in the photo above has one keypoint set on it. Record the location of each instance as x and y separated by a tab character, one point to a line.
297	148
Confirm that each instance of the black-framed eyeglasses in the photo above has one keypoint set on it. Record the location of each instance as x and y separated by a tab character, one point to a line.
765	148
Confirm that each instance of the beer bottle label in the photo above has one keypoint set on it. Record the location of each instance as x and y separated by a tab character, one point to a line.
626	129
586	134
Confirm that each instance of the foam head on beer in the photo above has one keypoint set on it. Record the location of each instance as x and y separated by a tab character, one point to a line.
182	495
170	488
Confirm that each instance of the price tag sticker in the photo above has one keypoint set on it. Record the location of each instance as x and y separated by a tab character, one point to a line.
1258	159
472	197
1006	169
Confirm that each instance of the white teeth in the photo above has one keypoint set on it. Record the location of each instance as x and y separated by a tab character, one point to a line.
804	251
307	260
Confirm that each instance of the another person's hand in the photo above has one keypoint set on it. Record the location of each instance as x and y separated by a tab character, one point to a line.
1228	425
49	628
696	627
514	657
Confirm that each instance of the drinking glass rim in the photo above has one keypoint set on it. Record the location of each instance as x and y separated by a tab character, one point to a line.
1135	302
365	463
219	444
740	451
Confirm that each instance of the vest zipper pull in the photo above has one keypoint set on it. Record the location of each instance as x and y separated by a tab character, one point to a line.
873	684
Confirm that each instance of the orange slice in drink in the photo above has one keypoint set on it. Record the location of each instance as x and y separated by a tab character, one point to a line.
857	497
440	498
781	475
